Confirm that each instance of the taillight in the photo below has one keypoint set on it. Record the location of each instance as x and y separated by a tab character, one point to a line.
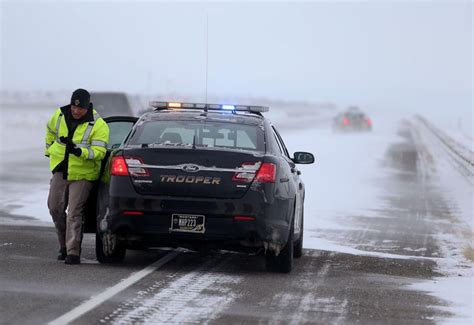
247	173
126	166
345	121
135	168
263	173
266	173
369	121
119	167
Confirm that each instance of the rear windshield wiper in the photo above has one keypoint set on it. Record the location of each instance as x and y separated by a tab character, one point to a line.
170	144
175	144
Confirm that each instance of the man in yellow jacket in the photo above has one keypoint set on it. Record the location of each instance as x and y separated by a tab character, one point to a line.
76	143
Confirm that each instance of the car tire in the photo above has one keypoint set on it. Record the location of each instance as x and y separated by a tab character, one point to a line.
283	262
117	256
298	249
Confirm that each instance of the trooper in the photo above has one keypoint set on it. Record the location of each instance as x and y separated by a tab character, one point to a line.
76	142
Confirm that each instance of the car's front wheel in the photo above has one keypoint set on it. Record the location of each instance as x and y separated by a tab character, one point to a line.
108	249
283	262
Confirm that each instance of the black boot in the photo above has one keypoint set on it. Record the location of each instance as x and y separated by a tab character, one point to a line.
72	259
62	254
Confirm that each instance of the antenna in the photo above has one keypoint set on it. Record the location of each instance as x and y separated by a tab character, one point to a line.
207	50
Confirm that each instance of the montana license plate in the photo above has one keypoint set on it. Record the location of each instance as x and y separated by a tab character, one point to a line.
188	223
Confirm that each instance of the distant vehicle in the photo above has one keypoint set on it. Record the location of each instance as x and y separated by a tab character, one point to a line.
200	176
112	104
352	120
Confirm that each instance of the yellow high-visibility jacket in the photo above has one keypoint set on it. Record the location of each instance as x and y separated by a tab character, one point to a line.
90	136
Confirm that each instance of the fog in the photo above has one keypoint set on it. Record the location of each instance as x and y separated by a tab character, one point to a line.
381	55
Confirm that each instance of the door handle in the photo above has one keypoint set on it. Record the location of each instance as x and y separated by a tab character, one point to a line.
284	180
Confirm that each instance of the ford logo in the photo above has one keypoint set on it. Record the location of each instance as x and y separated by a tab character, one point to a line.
190	168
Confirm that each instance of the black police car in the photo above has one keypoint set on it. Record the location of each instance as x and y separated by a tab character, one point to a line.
201	176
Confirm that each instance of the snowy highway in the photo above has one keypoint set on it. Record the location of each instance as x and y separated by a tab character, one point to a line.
388	239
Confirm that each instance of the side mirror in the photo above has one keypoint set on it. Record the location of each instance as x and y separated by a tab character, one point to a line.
301	157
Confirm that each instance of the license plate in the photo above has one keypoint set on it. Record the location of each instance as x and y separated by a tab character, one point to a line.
188	223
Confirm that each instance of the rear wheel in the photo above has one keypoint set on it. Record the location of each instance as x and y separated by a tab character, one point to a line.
298	250
112	252
283	262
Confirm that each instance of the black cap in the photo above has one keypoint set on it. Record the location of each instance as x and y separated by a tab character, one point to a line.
81	97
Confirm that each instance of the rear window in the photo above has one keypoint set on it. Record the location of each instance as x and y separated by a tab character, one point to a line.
207	134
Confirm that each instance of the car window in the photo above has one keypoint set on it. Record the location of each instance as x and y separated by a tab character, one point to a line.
280	142
277	142
205	134
118	131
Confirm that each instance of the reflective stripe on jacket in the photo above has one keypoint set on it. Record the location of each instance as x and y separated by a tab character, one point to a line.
92	137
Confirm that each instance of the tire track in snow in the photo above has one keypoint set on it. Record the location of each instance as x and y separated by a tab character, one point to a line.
196	297
305	307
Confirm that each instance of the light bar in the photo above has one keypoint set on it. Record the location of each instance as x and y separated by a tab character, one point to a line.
158	104
255	109
242	108
174	105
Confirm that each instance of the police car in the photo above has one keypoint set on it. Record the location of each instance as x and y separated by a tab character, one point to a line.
200	176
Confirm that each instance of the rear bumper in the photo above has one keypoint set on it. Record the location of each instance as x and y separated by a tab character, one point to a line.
154	230
152	227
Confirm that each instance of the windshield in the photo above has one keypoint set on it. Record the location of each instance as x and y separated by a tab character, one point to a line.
199	134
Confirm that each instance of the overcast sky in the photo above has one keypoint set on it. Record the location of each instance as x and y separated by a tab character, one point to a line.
377	53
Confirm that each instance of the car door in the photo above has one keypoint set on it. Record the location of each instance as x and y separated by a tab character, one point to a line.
296	181
119	128
286	155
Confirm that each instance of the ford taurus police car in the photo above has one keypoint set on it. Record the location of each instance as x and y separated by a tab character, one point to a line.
201	176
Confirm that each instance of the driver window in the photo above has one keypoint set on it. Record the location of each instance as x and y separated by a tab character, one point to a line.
277	142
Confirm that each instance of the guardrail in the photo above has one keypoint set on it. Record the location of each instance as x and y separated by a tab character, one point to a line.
460	154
